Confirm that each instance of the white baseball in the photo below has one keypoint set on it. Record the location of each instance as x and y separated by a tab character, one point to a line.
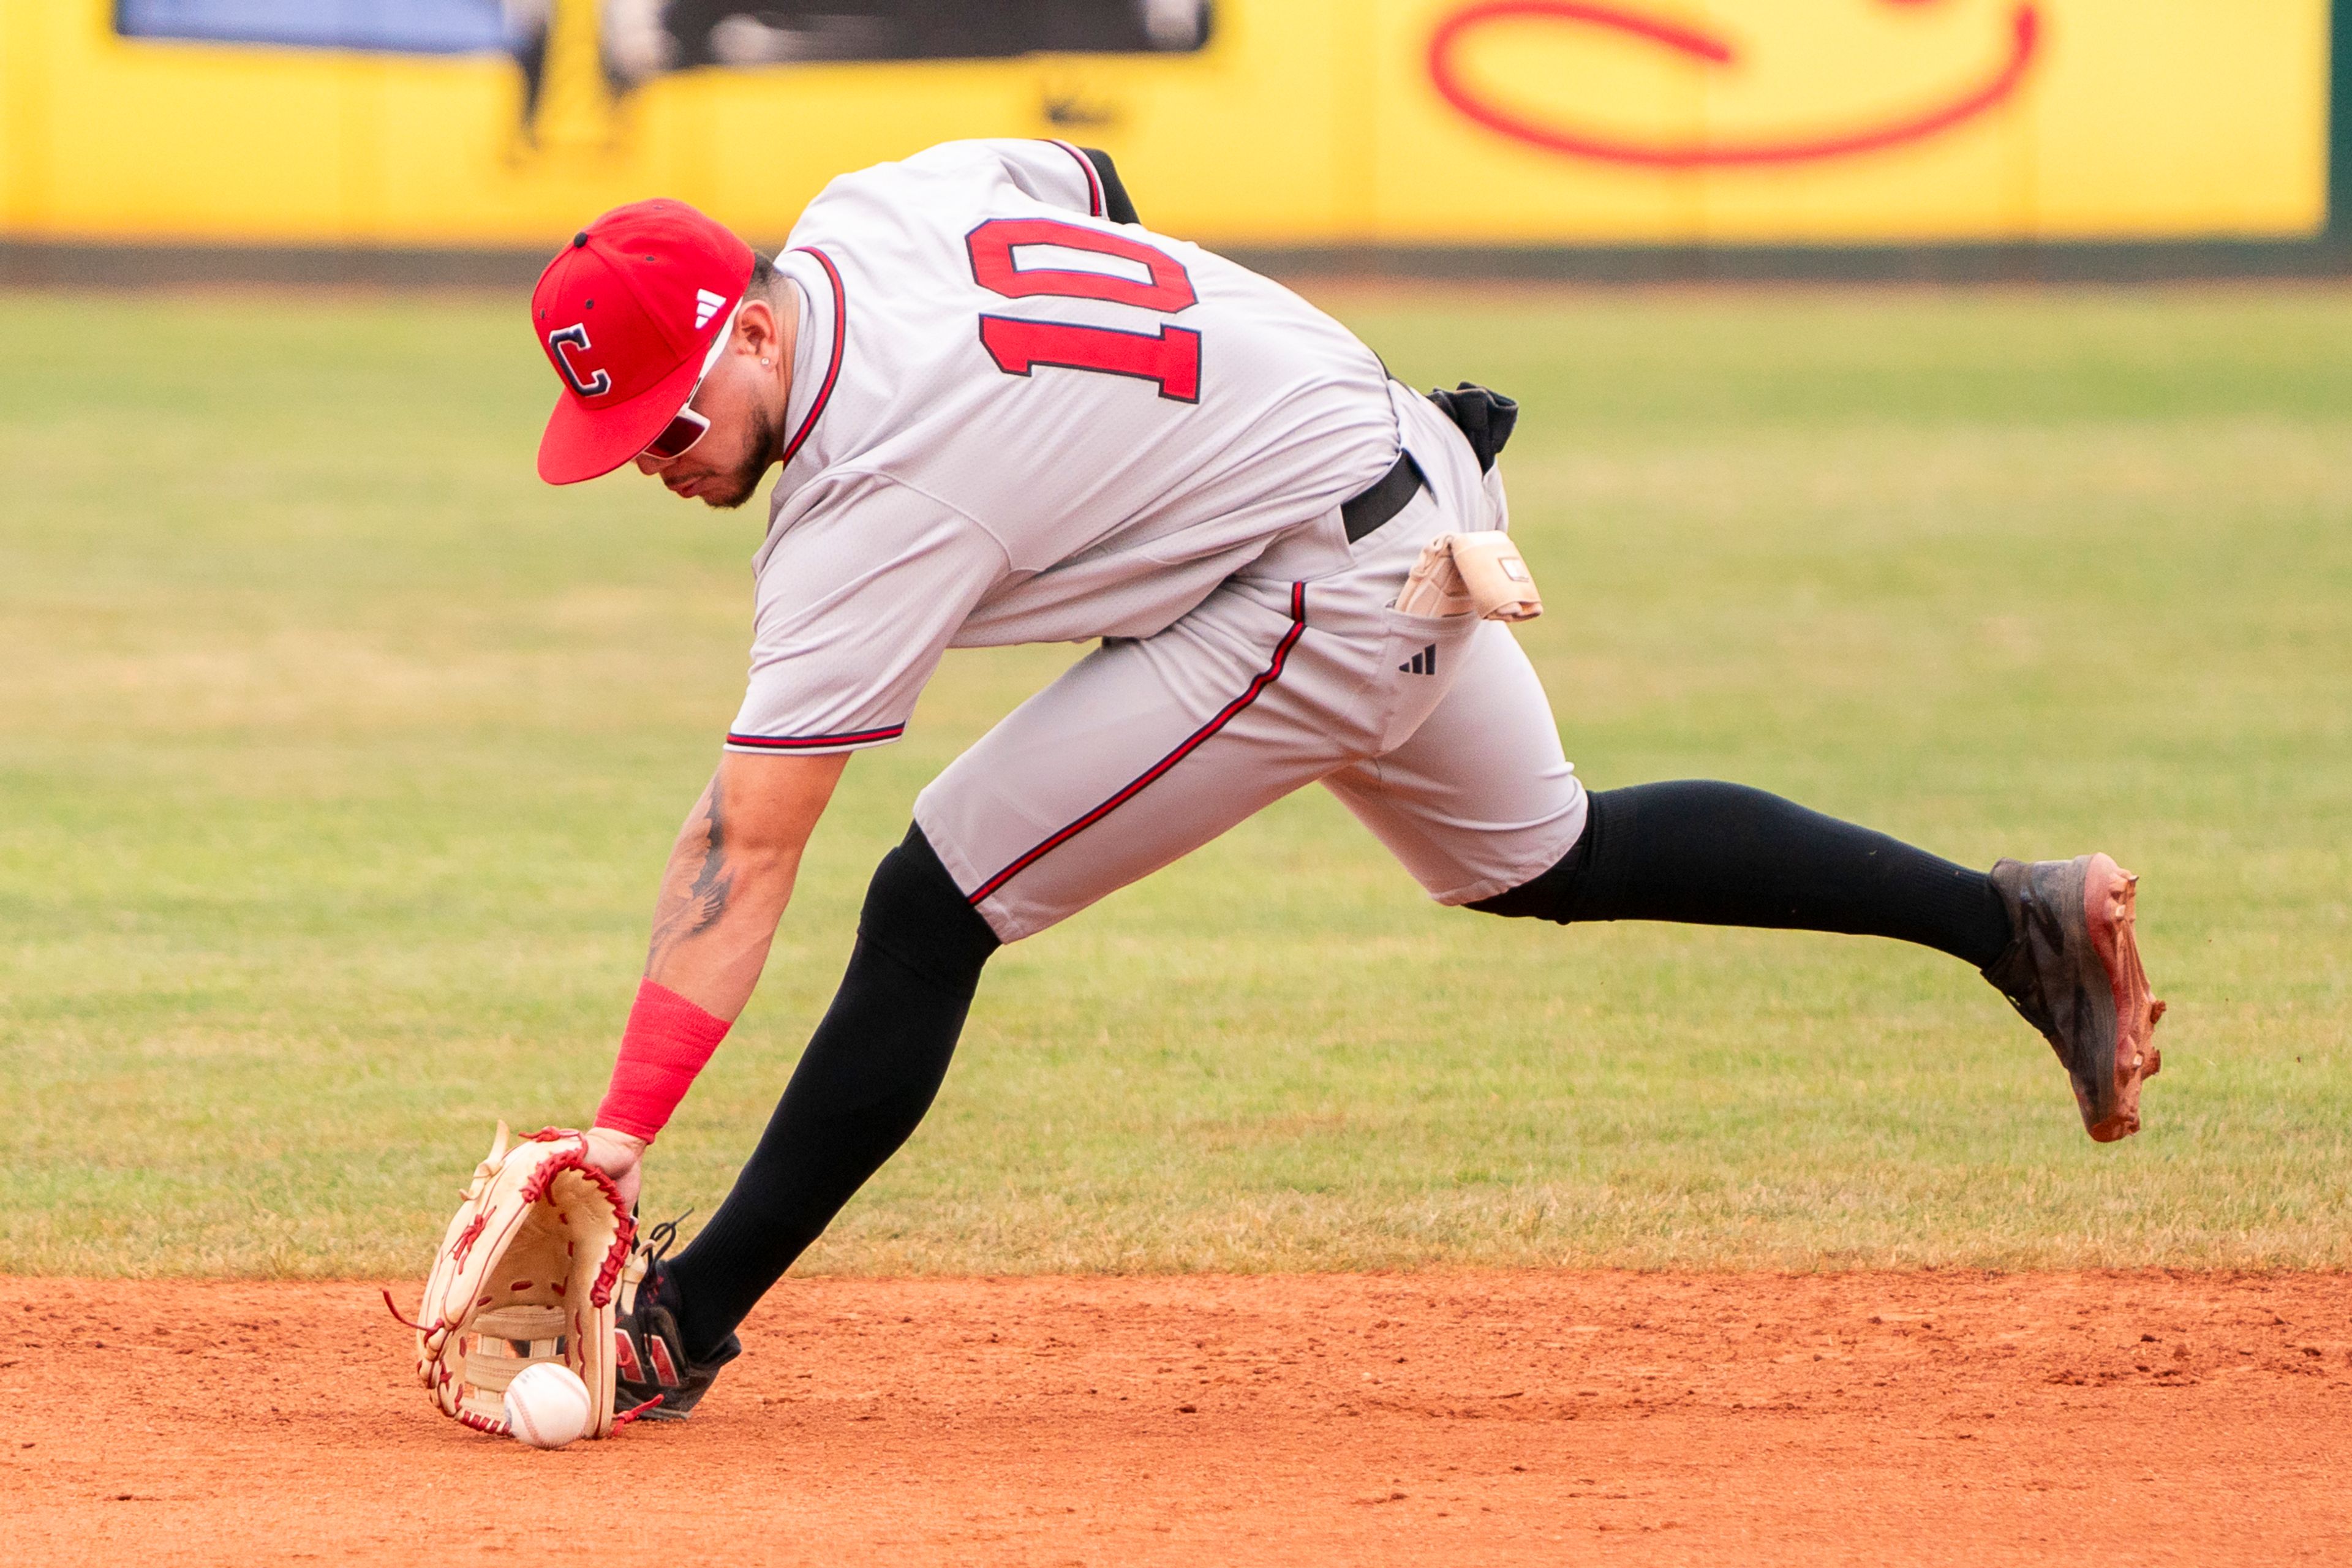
547	1405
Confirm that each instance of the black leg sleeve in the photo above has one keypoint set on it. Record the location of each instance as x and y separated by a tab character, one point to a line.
867	1077
1118	205
1719	854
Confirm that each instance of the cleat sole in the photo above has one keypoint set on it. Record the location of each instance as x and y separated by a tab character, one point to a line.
2109	896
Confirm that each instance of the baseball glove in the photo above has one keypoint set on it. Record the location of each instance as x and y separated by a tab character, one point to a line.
527	1272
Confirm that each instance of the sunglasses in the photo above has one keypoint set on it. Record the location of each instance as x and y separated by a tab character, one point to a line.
686	426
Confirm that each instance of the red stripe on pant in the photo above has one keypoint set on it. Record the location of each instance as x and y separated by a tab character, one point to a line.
1265	678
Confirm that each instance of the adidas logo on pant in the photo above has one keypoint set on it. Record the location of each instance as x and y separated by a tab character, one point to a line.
1422	663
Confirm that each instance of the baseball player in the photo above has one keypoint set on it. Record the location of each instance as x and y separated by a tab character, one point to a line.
1006	412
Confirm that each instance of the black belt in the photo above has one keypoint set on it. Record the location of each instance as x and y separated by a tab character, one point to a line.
1386	498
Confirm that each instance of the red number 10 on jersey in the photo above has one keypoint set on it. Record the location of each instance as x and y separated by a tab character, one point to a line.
1169	358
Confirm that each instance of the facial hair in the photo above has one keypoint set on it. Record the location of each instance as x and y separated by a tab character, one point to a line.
743	479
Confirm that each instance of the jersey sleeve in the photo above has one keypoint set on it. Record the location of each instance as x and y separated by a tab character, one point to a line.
1056	173
857	599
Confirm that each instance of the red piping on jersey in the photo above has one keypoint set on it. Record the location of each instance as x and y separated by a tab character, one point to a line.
1266	677
1094	178
802	742
833	372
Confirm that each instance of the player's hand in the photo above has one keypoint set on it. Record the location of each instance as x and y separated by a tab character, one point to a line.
620	1156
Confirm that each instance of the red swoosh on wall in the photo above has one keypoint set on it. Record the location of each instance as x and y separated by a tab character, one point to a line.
2025	30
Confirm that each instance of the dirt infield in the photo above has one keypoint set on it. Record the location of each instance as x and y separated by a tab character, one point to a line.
1463	1418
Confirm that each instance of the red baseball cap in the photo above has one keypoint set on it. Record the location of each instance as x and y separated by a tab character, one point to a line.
627	312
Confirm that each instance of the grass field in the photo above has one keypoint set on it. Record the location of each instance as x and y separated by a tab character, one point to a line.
338	758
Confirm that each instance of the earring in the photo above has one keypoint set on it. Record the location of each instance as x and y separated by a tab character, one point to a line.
764	365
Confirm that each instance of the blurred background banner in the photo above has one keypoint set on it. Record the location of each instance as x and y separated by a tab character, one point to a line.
409	26
507	123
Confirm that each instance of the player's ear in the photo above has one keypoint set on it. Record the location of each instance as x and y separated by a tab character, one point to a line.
756	329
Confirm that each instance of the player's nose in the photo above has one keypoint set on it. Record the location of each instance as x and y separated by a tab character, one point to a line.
649	464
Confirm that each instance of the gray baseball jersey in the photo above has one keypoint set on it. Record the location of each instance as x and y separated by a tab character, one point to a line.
1014	420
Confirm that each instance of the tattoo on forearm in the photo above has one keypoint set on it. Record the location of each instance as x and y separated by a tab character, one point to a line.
697	908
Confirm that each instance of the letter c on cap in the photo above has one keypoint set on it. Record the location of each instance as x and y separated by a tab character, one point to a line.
576	336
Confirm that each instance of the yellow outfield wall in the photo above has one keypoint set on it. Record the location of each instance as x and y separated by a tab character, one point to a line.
1297	123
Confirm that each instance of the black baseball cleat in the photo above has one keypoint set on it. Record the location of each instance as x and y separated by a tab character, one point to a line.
2071	970
652	1372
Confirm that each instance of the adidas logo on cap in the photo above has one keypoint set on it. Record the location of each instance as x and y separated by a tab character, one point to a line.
705	305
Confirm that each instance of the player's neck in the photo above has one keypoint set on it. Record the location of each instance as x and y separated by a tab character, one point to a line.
790	311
